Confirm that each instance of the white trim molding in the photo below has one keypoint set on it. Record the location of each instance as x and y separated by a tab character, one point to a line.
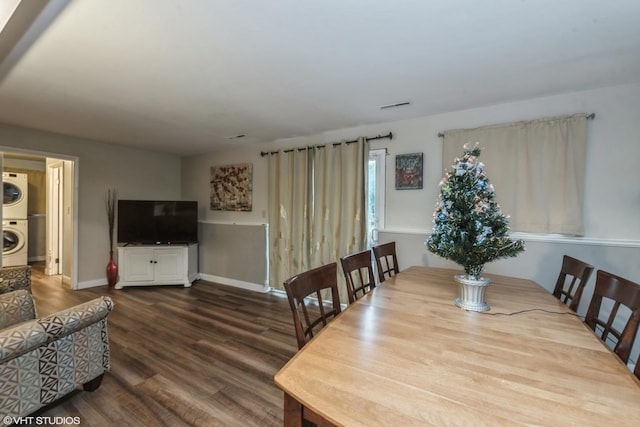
593	241
236	283
546	238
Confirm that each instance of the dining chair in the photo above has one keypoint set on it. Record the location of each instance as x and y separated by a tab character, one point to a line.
574	275
621	292
310	315
358	273
386	260
636	371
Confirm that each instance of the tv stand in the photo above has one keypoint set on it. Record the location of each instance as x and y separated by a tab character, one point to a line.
152	265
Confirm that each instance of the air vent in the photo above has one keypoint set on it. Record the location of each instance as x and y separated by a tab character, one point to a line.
399	104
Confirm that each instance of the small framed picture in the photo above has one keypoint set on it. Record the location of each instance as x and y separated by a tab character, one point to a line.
409	171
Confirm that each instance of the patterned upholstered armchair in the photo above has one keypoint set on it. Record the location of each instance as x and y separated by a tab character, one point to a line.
43	359
14	278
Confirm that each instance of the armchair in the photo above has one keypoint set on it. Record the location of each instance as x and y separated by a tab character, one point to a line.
14	278
43	359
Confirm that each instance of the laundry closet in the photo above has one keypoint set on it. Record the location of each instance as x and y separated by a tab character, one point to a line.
15	225
23	211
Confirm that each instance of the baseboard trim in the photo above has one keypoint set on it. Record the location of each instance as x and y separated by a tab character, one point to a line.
235	283
208	277
86	284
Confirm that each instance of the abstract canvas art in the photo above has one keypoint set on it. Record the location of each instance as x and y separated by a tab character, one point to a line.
232	187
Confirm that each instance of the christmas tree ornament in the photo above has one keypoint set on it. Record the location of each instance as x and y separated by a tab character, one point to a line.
473	231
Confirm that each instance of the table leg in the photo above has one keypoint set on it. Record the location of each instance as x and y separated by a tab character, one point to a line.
292	412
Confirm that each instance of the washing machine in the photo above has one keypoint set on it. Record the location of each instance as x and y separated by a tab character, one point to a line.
14	247
15	187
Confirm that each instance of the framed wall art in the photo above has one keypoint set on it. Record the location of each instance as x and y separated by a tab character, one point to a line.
232	187
409	171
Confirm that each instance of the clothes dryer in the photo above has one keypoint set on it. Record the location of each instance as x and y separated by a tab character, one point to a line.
15	188
15	242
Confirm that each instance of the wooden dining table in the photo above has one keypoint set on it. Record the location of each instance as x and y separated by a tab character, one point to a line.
405	355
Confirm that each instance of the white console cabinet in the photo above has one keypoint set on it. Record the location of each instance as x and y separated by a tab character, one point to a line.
157	265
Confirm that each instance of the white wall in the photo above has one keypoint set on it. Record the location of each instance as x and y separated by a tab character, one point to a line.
612	195
136	174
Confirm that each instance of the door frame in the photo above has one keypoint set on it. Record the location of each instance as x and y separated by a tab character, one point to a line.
70	192
55	214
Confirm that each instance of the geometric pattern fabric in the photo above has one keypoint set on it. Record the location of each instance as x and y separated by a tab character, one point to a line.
42	360
16	307
14	278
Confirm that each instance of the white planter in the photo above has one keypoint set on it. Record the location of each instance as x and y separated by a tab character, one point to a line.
471	293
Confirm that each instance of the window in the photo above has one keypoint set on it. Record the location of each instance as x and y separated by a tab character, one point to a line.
375	194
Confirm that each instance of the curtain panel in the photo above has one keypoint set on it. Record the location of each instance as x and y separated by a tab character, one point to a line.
289	182
537	169
317	211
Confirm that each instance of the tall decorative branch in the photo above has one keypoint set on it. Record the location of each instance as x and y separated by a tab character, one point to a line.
110	204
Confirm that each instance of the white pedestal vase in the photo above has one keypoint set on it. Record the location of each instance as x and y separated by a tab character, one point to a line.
471	293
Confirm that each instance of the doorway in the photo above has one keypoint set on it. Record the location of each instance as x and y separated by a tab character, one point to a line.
376	174
53	219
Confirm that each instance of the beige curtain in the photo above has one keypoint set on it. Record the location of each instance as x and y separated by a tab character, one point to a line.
289	183
316	208
536	167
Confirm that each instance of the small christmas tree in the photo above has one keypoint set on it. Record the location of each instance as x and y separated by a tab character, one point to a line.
468	226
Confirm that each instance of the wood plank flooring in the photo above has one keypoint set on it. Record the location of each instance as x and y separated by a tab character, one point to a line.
199	356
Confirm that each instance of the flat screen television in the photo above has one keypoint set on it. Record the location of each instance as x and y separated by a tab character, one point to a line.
157	222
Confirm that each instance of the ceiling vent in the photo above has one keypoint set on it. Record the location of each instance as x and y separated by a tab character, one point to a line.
399	104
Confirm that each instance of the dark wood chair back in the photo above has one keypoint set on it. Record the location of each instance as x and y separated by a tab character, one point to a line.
574	275
358	273
621	292
311	315
386	260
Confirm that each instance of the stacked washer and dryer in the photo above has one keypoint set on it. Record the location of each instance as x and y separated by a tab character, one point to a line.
14	219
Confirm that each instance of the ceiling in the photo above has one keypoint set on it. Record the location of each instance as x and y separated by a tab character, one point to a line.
186	77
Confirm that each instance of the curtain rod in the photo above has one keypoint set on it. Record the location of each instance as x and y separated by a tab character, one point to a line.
589	117
335	144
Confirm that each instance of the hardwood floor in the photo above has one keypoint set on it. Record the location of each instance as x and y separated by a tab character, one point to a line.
199	356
